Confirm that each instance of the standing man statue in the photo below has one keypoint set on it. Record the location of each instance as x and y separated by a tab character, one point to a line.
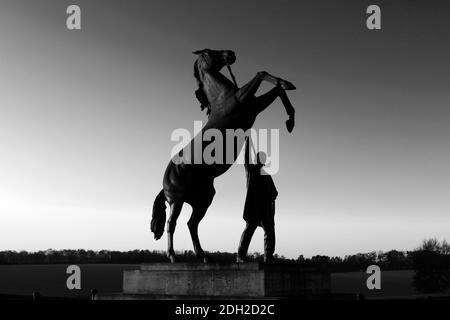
259	209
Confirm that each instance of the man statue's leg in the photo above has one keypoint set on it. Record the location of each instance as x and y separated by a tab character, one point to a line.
245	242
268	224
269	242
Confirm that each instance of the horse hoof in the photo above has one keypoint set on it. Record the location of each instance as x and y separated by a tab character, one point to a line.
207	259
290	125
174	259
286	85
241	259
269	260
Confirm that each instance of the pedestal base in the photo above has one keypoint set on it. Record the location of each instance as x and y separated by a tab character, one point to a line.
203	281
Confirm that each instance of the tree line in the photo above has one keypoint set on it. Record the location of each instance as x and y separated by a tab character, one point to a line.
430	261
392	260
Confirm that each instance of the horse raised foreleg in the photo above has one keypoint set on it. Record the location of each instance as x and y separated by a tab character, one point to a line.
265	100
290	123
196	217
286	85
250	88
175	210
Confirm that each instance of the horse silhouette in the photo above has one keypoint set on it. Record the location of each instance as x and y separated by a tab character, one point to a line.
228	107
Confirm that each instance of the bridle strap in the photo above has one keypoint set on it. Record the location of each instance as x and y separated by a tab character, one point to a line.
232	75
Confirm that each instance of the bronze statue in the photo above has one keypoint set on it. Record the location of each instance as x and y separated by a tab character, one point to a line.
228	107
259	209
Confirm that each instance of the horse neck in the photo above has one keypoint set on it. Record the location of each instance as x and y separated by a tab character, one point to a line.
217	87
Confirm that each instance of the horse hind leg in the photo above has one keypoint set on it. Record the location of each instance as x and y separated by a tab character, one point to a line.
175	210
197	215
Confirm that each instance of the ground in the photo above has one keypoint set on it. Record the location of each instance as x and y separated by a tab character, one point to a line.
50	281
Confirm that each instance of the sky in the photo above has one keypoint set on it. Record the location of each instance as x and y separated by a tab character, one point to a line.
86	118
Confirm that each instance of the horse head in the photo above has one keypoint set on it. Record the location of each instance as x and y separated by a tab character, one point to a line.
211	62
214	60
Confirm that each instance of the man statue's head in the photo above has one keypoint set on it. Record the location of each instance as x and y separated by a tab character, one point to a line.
261	158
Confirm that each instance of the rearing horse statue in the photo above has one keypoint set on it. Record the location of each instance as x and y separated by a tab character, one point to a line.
228	107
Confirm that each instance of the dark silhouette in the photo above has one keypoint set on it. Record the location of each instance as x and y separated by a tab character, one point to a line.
436	264
94	293
357	262
259	209
100	257
228	107
36	296
431	263
394	260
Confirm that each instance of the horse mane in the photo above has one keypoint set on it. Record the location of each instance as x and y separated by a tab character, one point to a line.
200	93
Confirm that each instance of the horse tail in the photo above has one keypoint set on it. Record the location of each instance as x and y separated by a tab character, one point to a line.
159	215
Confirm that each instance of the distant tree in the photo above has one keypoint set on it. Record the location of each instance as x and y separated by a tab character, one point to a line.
431	263
321	262
445	248
360	261
431	244
393	260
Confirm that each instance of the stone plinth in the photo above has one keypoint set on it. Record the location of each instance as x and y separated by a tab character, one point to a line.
247	280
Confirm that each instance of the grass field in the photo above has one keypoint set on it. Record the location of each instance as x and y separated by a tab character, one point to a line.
393	284
50	281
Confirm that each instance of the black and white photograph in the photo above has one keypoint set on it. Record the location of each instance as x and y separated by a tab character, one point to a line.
222	159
